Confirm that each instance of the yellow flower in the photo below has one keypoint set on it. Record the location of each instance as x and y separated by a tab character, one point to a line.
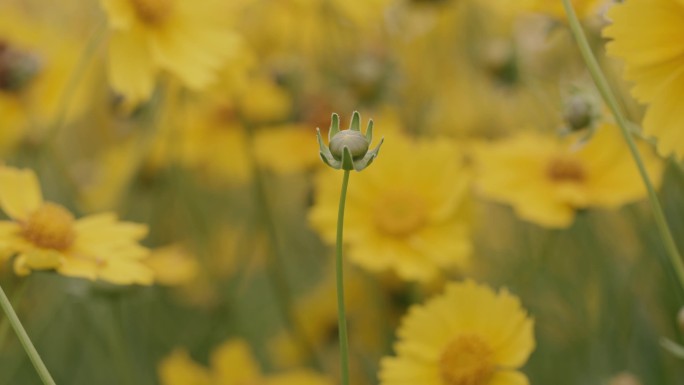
173	265
36	62
189	39
405	213
468	336
232	363
642	32
547	181
46	236
284	149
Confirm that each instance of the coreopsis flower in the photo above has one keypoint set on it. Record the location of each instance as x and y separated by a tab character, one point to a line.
36	63
190	40
46	236
641	33
470	335
547	180
232	363
173	265
404	214
269	141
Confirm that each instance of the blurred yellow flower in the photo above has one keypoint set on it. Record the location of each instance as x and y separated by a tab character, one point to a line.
548	180
232	363
468	336
173	265
642	32
36	63
46	236
284	149
190	40
406	213
316	315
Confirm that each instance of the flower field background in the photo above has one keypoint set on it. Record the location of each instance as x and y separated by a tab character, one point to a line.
167	217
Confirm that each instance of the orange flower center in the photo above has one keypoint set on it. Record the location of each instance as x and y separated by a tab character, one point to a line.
467	360
400	214
565	170
152	12
50	227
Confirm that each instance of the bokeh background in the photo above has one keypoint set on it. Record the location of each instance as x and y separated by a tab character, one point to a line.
226	176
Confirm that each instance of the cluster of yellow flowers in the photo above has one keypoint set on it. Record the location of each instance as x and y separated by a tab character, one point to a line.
196	123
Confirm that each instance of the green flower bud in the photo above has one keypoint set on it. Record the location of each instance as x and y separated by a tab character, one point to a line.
348	149
579	113
354	140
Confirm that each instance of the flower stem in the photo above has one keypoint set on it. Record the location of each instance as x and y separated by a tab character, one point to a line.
341	310
25	340
622	122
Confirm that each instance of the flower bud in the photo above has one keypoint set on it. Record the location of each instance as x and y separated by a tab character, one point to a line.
348	149
354	140
579	113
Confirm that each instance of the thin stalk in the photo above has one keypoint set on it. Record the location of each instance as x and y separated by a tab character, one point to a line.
31	351
339	264
624	125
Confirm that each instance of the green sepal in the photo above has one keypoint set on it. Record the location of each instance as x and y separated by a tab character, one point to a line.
334	126
369	131
355	124
347	159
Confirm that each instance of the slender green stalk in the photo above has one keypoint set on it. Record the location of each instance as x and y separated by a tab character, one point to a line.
25	340
339	262
16	297
622	122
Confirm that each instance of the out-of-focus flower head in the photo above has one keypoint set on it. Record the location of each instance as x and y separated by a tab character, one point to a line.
190	40
641	33
232	363
173	265
468	335
547	180
36	63
406	214
46	236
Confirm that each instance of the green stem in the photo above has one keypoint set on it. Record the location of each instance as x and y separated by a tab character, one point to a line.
341	310
624	125
25	340
16	297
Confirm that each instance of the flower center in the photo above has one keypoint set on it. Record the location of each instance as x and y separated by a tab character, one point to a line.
152	11
467	360
50	227
565	170
400	214
17	67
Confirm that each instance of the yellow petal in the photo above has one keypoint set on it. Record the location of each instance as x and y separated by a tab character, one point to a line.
40	259
79	267
124	272
179	369
19	192
234	364
131	70
120	13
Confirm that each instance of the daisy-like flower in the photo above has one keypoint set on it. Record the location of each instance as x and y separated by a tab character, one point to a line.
46	236
406	213
642	33
188	39
232	363
470	335
547	180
